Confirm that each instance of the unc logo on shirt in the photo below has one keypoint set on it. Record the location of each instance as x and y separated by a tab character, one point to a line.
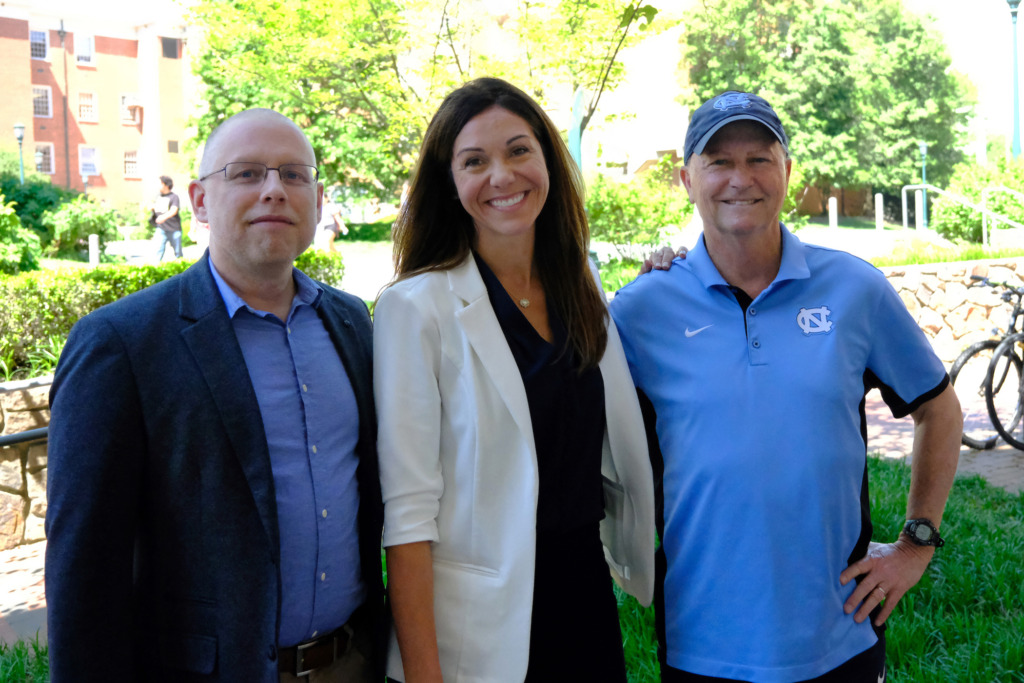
732	100
814	320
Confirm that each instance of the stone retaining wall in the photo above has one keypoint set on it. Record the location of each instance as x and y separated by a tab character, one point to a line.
951	313
24	405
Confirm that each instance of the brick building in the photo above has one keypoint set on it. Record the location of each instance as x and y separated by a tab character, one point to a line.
104	99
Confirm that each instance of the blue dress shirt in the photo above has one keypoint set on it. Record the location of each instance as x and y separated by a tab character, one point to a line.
312	425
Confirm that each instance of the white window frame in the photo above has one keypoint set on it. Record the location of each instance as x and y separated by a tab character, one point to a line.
49	155
46	43
130	109
37	91
95	116
95	154
85	50
131	156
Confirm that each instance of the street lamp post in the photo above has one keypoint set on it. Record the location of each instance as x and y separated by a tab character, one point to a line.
924	181
39	160
19	135
1016	87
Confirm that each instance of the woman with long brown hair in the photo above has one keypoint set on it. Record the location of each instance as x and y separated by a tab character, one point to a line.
513	459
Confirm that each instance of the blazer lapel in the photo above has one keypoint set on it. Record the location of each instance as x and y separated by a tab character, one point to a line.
212	342
487	339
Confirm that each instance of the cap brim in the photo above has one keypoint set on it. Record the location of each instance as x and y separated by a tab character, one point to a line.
706	138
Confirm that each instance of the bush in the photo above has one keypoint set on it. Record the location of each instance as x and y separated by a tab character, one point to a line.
70	225
956	221
631	216
33	199
42	306
19	248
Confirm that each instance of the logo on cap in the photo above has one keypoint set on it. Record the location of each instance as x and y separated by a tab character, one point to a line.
733	100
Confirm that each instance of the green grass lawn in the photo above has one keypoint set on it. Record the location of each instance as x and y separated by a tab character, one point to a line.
962	623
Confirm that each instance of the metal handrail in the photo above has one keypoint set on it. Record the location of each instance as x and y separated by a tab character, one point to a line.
962	200
984	202
23	437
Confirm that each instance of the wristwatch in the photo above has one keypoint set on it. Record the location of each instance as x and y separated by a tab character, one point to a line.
923	532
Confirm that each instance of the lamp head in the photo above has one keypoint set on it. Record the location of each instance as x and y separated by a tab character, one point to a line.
1013	6
924	145
19	132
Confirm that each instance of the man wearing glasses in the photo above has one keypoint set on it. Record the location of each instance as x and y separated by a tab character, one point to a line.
214	507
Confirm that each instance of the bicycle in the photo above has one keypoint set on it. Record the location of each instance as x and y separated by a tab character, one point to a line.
990	380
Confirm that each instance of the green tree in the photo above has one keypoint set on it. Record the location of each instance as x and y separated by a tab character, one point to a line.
364	77
857	83
71	224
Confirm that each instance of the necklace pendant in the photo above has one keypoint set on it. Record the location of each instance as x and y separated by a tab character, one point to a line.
524	302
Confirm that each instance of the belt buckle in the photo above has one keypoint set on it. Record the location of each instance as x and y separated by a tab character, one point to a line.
300	657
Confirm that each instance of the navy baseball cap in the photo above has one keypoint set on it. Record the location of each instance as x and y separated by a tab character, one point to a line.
729	107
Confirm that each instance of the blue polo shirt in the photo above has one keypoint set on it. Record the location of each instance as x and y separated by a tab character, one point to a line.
311	421
761	425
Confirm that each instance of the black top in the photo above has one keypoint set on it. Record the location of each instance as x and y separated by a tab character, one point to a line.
567	412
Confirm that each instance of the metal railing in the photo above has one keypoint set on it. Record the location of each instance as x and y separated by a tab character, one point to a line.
960	200
984	203
41	434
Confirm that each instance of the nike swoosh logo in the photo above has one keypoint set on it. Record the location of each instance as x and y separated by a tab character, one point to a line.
693	333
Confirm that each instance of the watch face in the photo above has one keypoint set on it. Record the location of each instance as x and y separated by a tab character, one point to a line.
922	533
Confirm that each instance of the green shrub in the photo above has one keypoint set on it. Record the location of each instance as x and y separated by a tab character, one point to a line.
42	306
956	221
19	248
367	232
70	225
34	198
631	216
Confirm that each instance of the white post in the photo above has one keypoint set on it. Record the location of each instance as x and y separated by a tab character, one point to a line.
833	212
918	210
94	250
879	211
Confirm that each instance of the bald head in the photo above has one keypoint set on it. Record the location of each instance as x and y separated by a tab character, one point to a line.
221	137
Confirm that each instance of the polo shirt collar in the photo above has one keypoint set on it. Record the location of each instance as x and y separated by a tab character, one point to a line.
793	266
306	292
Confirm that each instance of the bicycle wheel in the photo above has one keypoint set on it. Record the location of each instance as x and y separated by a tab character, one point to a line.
968	379
1003	390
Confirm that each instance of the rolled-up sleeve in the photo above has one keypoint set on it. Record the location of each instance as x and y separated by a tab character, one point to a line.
407	353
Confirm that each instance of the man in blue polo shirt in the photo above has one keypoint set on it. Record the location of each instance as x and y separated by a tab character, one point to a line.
755	353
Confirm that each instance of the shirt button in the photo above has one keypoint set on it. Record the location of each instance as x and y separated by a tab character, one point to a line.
313	634
324	513
305	388
323	577
289	330
753	311
314	449
756	344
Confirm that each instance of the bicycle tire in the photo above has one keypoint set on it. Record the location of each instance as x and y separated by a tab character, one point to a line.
1004	385
967	376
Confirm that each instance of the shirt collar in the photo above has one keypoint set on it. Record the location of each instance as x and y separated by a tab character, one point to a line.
306	292
792	267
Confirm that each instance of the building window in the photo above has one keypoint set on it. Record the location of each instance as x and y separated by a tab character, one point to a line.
172	146
88	160
42	105
38	44
87	107
170	48
44	157
85	50
130	110
131	164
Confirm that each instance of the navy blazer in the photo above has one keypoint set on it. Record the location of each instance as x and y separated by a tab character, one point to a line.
162	561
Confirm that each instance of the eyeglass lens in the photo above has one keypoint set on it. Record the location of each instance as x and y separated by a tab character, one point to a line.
252	173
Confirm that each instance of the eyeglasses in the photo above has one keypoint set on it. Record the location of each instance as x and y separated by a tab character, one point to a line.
251	173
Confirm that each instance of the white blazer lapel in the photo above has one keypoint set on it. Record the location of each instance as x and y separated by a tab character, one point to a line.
484	334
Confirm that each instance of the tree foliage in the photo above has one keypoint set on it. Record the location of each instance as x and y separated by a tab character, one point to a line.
857	83
19	247
363	77
954	220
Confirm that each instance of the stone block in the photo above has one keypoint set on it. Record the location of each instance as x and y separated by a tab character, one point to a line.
931	322
29	398
911	302
10	470
35	528
946	347
37	492
12	520
37	456
21	421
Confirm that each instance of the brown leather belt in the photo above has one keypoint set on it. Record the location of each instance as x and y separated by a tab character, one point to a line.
304	658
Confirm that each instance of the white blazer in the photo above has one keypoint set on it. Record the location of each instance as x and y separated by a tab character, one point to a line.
458	468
